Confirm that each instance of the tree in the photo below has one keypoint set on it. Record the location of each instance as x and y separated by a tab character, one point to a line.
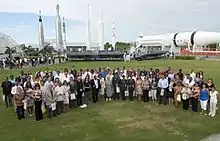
107	46
10	51
122	46
47	50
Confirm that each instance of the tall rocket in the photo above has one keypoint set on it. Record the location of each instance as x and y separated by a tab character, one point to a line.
64	34
113	35
59	41
40	32
88	31
101	31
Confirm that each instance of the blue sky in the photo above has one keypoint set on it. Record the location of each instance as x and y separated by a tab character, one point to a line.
23	27
132	17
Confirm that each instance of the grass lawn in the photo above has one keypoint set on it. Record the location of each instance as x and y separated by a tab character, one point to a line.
116	121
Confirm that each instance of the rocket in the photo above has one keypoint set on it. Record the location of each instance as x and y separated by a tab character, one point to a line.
64	34
40	32
182	39
59	41
88	31
113	35
101	31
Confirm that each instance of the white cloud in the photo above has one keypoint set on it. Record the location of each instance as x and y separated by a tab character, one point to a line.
131	16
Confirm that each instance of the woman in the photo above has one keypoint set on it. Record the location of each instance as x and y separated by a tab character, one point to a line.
195	96
102	90
145	88
109	88
204	97
213	101
66	92
154	90
138	88
87	90
210	84
38	102
177	94
186	93
19	101
79	91
171	93
29	98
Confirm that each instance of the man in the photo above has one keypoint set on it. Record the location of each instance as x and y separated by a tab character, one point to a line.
123	87
131	88
6	88
163	87
51	101
96	86
73	92
115	82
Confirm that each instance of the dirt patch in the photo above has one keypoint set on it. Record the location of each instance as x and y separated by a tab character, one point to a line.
144	124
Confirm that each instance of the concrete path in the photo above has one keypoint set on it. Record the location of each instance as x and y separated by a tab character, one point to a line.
214	137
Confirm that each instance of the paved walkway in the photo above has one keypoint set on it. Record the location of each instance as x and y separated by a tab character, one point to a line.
214	137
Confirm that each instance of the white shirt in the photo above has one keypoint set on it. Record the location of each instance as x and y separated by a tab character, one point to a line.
32	83
163	83
213	96
96	83
14	90
171	76
193	75
59	93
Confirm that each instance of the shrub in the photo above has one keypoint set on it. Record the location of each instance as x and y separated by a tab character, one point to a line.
185	57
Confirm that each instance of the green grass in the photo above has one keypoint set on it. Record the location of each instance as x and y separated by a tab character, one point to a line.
116	121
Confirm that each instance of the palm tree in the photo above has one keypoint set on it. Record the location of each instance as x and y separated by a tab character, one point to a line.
47	50
10	51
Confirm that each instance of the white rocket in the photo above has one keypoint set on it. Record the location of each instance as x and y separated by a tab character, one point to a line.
113	35
101	31
88	30
194	39
40	32
64	34
59	41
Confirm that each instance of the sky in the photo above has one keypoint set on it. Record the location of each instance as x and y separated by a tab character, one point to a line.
132	17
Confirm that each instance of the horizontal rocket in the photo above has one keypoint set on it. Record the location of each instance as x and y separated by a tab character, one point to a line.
197	38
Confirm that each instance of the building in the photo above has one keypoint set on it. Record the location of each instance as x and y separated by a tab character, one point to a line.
5	41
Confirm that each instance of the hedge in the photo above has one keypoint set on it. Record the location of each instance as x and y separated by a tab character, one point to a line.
185	57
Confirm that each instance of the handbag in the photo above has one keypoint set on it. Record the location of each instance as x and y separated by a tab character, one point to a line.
126	93
184	96
178	98
72	96
162	92
117	90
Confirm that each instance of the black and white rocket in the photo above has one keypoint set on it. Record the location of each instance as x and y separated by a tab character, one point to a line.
101	31
64	34
40	32
58	30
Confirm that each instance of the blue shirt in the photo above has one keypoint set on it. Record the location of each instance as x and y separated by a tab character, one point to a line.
163	83
12	81
103	74
204	95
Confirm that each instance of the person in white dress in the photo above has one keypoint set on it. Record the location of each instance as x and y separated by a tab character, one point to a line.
213	102
66	96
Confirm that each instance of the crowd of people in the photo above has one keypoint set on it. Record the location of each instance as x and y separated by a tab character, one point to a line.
18	62
56	92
